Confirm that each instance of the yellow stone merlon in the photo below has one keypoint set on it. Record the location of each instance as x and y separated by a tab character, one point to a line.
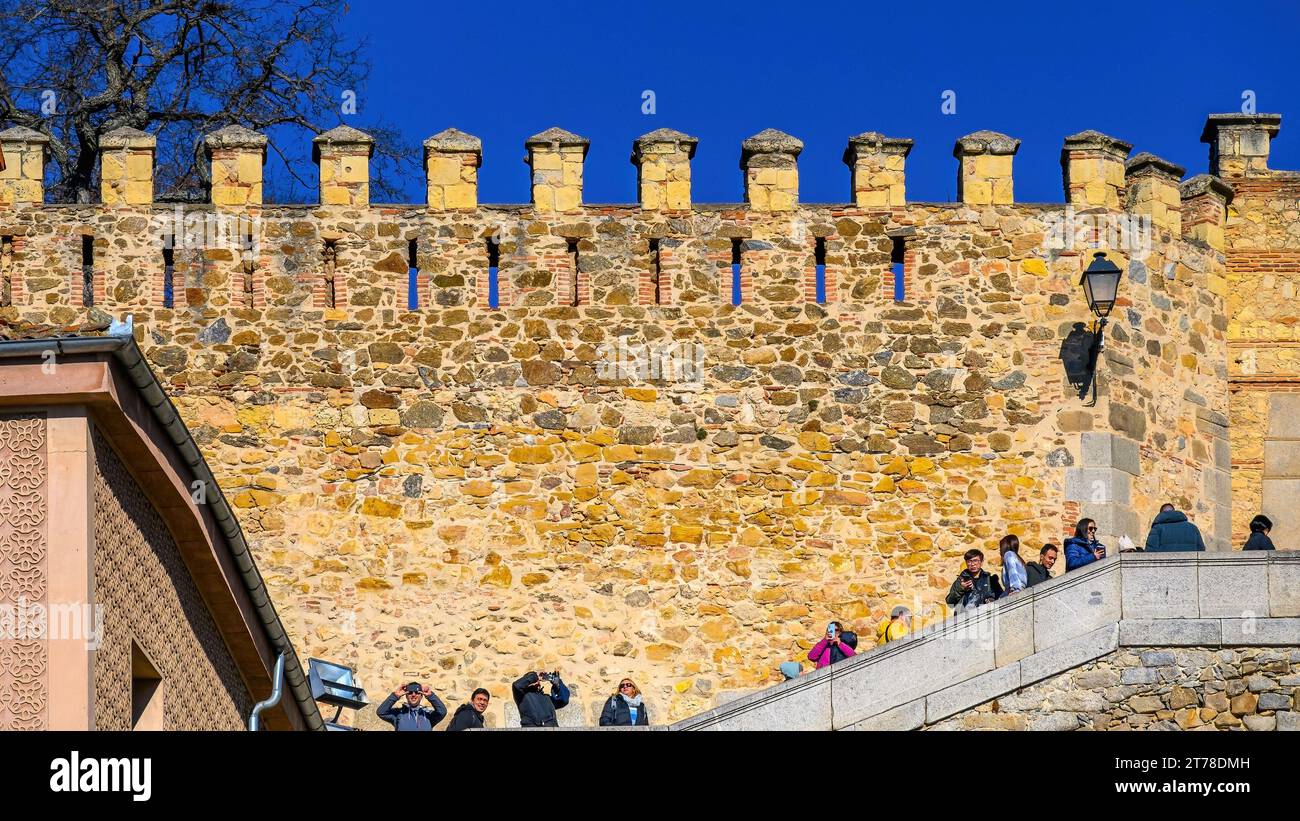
1205	209
1239	143
343	154
1092	166
237	155
556	157
770	162
876	165
984	168
663	169
126	159
451	162
22	174
1151	188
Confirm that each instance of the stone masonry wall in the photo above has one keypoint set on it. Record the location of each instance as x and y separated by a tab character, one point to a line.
1154	688
462	493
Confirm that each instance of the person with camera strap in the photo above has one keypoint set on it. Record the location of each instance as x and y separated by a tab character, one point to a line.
537	707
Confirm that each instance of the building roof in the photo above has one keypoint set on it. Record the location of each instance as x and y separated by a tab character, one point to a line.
129	372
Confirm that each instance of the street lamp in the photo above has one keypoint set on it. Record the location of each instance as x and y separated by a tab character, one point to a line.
1100	285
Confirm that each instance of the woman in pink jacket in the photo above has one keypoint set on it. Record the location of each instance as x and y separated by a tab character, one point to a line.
830	649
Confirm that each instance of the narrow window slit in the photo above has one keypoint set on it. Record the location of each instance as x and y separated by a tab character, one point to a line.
735	270
6	270
413	275
572	251
169	273
656	271
87	271
249	266
494	273
819	260
330	259
896	265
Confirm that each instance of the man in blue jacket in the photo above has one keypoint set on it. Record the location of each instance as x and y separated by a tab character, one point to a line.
411	716
1172	533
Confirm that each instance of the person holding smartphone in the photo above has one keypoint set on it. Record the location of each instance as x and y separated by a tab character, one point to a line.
1082	548
830	649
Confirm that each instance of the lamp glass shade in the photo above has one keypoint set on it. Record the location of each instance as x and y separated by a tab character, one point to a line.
1101	285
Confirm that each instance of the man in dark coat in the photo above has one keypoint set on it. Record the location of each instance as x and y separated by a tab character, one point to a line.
470	716
1172	533
411	716
537	708
975	586
1041	570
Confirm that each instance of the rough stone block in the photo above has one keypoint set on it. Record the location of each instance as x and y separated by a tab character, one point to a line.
1069	654
1283	585
1113	521
972	692
1078	602
1260	632
800	704
1282	460
1015	629
1160	587
910	716
1108	450
1217	486
960	649
1279	504
1097	485
1170	632
1233	586
1284	416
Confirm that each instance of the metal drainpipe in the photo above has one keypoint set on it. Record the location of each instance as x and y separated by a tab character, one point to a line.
276	689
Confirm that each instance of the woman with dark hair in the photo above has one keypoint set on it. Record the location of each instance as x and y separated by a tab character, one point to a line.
625	708
1014	576
831	648
1082	548
1259	528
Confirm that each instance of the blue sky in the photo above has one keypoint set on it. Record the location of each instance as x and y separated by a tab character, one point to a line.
1038	71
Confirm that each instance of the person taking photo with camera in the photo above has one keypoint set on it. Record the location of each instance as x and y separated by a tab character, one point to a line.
536	706
831	648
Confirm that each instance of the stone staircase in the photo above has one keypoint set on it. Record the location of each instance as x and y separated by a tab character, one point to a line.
1203	600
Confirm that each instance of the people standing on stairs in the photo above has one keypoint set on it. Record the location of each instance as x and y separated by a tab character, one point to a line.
469	716
1014	578
1172	533
974	586
831	648
1041	570
898	624
536	706
1082	548
411	716
625	708
1259	528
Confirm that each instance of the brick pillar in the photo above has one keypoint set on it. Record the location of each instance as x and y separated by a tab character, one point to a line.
126	157
556	158
237	155
1239	143
22	171
451	162
876	162
663	169
343	154
1151	188
984	170
1205	209
770	162
1093	167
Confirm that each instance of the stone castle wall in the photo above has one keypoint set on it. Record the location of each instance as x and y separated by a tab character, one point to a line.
462	493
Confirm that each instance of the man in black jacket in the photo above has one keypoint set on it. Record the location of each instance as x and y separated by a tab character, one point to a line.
537	708
1172	533
1041	570
470	716
974	586
411	716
